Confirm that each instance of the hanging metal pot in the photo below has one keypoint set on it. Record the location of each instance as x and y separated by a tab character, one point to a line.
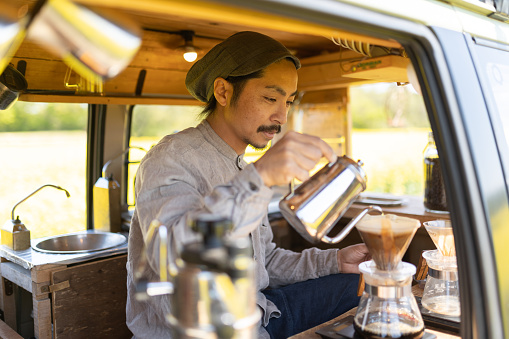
96	43
12	83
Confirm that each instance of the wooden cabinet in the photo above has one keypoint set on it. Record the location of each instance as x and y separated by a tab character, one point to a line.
83	300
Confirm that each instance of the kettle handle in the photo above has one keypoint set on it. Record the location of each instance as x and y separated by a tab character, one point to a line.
344	232
144	288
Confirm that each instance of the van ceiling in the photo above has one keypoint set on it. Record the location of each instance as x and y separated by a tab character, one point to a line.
165	68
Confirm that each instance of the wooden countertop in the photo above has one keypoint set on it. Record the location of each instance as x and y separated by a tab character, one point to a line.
411	207
311	333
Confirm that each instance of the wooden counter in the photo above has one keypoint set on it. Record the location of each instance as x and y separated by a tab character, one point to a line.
311	333
412	207
80	300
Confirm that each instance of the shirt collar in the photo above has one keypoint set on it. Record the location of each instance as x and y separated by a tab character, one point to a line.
215	140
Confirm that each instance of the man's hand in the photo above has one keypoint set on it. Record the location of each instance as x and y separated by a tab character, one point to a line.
293	156
350	257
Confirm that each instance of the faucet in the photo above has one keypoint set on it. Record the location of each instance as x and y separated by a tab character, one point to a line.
17	221
14	234
105	167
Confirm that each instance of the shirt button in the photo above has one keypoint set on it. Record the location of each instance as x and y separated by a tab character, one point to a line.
239	162
253	187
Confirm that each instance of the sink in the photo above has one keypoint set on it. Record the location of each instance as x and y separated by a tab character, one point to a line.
79	242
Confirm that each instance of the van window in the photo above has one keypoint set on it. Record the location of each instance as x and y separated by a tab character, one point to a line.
44	144
149	124
390	132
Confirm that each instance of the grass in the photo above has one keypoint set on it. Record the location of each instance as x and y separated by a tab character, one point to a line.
392	161
32	159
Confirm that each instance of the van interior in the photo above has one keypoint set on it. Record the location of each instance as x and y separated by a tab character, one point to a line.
337	58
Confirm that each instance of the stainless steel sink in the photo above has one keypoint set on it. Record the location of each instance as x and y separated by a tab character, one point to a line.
80	242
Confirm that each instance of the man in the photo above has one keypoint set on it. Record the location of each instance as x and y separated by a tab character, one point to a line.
248	83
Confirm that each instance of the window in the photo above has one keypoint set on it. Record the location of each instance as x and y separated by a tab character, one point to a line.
149	125
390	132
44	144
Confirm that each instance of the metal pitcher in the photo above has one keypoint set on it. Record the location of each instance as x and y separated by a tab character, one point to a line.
314	207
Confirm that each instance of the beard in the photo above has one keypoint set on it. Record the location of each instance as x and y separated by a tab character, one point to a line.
270	129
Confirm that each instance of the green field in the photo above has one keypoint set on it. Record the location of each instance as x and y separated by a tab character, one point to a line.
32	159
392	158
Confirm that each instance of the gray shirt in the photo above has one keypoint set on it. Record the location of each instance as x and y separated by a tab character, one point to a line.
192	172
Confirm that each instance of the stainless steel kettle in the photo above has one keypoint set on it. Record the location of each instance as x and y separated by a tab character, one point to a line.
212	284
314	207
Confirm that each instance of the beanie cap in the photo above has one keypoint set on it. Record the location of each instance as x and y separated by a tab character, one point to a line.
241	54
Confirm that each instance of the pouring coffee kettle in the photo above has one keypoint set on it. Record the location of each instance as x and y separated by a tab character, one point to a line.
314	207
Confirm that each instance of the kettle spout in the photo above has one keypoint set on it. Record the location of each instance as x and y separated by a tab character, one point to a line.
348	228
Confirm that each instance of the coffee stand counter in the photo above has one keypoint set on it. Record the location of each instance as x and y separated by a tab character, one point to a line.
406	206
311	333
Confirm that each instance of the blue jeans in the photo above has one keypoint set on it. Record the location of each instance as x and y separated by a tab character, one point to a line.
309	303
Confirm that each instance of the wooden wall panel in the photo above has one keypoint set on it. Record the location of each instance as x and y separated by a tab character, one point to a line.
324	114
165	67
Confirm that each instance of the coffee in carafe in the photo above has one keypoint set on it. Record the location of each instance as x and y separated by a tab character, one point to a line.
375	330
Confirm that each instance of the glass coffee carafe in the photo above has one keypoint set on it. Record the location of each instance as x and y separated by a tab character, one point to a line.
387	308
441	292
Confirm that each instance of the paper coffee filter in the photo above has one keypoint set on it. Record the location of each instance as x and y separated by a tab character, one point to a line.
373	223
387	238
440	231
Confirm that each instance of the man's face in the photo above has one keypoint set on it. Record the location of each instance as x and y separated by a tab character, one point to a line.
262	106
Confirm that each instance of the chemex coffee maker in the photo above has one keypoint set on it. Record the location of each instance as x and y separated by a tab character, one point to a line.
211	286
441	292
387	308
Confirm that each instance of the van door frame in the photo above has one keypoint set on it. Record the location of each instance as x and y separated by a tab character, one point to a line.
106	140
446	106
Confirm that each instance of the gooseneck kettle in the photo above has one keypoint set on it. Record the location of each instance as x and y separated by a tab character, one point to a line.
314	207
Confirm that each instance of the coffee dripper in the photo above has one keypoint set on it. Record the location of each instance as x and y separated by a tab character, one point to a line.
441	292
387	308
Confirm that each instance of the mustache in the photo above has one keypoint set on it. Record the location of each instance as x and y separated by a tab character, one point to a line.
270	129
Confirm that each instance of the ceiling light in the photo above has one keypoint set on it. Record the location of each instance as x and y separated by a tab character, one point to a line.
190	51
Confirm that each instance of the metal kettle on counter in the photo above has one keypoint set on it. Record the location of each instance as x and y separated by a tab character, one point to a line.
212	285
314	207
